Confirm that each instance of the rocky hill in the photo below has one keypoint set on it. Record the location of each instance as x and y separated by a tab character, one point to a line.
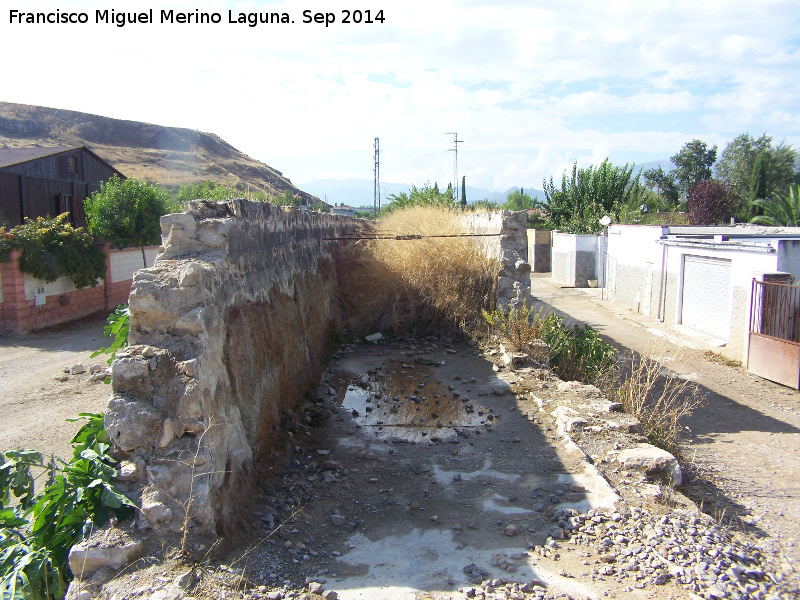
169	156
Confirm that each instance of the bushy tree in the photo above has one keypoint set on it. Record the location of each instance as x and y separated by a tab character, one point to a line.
425	196
127	213
758	179
664	184
519	200
710	203
693	164
588	195
737	162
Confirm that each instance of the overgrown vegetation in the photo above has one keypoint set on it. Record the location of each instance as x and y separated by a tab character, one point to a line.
52	248
427	195
588	195
425	283
575	353
657	398
37	532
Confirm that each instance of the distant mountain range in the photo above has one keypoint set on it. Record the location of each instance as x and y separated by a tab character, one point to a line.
360	192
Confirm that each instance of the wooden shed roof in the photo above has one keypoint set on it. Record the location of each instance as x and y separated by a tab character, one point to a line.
15	156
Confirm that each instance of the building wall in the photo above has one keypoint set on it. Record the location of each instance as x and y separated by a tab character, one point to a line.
575	258
647	276
539	241
63	302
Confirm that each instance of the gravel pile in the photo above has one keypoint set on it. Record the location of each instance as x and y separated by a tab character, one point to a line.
683	548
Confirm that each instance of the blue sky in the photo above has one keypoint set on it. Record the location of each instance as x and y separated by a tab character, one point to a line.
529	86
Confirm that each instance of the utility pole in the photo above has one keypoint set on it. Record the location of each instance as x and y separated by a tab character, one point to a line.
376	199
454	150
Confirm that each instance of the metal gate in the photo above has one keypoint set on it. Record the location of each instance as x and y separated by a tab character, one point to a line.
774	339
706	300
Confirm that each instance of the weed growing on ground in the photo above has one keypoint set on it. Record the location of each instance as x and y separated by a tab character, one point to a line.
658	399
38	532
521	329
578	353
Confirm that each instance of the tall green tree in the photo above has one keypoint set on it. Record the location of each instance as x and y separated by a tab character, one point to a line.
758	179
519	200
693	164
736	164
127	213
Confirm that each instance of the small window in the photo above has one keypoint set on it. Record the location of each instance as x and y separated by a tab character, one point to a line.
73	164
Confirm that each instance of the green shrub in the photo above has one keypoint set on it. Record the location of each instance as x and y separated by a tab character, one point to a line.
578	353
52	248
37	533
575	353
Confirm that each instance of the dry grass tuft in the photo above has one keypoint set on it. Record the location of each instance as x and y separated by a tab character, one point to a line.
427	284
658	398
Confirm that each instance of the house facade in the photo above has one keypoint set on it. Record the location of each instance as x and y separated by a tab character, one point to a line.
698	278
45	182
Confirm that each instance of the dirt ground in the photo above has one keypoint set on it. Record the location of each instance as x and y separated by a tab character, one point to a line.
36	396
424	470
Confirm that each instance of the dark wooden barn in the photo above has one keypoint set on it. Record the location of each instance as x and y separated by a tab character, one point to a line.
45	182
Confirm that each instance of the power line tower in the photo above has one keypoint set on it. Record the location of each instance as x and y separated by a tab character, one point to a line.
454	150
376	198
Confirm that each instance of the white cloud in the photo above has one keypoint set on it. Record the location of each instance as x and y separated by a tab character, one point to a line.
529	89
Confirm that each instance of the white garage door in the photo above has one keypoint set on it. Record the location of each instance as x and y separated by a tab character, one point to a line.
707	295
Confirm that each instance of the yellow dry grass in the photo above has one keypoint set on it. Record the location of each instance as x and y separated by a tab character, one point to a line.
425	284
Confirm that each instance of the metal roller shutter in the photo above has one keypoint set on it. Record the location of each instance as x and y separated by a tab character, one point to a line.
707	295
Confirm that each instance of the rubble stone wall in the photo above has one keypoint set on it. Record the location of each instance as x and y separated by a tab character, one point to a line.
230	330
506	241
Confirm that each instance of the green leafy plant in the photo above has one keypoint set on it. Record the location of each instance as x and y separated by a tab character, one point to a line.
117	327
37	533
425	196
127	213
51	248
578	353
588	195
781	209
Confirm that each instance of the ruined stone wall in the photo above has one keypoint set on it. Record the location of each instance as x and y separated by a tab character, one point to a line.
506	241
230	329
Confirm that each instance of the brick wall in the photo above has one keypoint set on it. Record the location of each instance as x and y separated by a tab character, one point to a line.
63	302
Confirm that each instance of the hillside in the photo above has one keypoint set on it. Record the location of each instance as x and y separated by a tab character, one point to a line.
166	155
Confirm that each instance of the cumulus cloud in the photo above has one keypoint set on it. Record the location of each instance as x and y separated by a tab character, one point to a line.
529	89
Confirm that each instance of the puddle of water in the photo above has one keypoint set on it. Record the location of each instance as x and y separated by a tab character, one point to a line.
498	503
446	477
399	567
407	403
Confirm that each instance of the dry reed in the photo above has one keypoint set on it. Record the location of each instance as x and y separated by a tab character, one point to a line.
426	284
